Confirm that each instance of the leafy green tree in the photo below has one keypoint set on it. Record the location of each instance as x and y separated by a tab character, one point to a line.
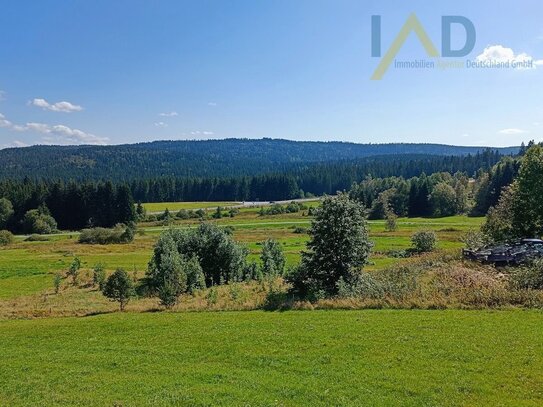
527	204
6	212
424	241
338	248
99	276
119	287
140	211
195	276
272	258
443	200
498	224
222	260
35	221
166	271
391	221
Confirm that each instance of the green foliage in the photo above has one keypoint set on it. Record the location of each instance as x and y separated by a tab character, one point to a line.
424	241
391	222
6	212
475	240
443	200
338	248
6	237
99	276
222	260
118	234
119	287
527	204
57	281
519	212
272	258
36	221
195	275
529	277
73	271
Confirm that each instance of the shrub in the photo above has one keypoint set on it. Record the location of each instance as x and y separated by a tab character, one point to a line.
118	234
222	260
73	271
424	241
299	230
36	221
119	287
6	237
391	223
195	276
99	276
529	277
57	281
272	258
475	240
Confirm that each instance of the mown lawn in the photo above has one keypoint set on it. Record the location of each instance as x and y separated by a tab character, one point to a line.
318	358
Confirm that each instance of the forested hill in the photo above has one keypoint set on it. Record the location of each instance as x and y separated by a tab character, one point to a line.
206	158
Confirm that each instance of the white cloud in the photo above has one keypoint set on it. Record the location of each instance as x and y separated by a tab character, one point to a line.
65	107
161	124
168	114
4	122
2	95
512	131
65	134
201	133
500	54
59	133
211	103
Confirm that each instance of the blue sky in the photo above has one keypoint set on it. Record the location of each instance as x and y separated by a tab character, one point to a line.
130	71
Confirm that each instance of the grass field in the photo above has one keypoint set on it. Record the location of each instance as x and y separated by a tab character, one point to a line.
28	268
176	206
319	358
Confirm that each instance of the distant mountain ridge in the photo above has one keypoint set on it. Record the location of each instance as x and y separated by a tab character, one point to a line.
201	158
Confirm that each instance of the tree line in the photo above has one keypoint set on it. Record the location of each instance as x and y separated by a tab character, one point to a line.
28	206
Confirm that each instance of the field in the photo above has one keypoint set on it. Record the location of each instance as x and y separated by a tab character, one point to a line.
157	207
28	268
247	357
320	358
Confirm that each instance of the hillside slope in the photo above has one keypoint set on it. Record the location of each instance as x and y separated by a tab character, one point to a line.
229	157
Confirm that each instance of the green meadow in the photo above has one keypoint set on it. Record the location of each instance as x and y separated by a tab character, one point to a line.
318	358
28	268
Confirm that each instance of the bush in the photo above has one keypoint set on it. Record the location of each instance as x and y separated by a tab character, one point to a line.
424	241
73	271
299	230
99	276
529	277
272	258
221	259
118	234
391	223
119	287
475	240
36	221
6	237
